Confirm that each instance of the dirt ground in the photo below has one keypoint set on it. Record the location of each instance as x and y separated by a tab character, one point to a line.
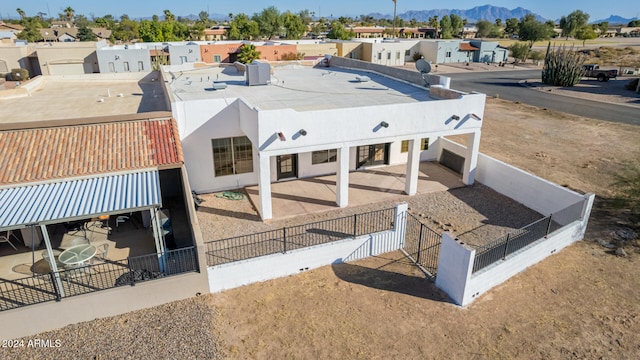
581	303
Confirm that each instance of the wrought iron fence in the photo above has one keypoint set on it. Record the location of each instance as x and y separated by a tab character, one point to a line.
504	246
95	277
422	245
297	237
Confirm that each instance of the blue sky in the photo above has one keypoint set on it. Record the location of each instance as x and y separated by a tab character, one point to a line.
550	9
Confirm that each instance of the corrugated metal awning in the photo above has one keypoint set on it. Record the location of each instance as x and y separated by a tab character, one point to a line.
71	199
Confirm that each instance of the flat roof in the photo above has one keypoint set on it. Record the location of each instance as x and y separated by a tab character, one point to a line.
58	98
302	88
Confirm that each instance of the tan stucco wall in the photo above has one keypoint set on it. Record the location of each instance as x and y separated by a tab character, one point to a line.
59	53
12	56
344	48
320	49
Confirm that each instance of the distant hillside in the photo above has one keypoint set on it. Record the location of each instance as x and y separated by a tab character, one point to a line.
486	12
615	20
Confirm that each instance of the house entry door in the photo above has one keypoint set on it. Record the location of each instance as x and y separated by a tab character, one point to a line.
370	155
287	166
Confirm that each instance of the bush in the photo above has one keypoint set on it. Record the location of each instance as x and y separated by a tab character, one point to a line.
292	56
416	56
19	74
520	51
536	55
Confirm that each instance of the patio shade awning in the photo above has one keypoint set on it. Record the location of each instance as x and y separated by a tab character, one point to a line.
71	199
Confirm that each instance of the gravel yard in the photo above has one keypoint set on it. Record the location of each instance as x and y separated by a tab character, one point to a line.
476	214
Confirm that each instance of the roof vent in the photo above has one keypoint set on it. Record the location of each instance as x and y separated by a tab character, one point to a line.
362	78
219	85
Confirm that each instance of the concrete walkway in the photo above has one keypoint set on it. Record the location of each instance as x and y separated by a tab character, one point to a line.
310	195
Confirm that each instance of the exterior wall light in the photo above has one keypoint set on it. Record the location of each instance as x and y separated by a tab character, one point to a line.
455	117
281	137
384	124
302	132
476	117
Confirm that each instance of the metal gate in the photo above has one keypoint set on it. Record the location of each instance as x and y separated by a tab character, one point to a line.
422	245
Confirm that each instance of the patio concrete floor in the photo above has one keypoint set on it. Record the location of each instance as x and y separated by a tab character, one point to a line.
317	194
130	240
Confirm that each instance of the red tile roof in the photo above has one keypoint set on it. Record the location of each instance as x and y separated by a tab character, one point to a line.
467	47
69	151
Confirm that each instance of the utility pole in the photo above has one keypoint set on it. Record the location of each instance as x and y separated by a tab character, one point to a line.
394	18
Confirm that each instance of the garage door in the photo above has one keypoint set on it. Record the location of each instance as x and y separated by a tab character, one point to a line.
66	69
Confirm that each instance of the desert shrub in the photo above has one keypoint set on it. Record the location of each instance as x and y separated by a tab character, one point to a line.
19	74
536	55
416	56
292	56
562	66
628	186
520	51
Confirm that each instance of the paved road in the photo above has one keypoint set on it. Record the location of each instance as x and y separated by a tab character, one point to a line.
505	84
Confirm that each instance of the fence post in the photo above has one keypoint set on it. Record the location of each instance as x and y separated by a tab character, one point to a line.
419	243
284	241
355	225
132	275
55	286
506	245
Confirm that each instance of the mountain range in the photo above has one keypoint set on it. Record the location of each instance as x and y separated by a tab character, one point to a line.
485	12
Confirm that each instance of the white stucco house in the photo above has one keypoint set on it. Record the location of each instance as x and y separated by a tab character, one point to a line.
298	121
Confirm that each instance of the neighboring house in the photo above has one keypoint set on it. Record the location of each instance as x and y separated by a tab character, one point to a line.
457	51
367	31
217	33
182	53
66	58
388	52
14	28
124	58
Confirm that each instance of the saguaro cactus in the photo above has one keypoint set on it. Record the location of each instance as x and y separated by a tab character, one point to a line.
562	66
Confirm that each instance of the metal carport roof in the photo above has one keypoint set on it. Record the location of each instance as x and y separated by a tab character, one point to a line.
71	199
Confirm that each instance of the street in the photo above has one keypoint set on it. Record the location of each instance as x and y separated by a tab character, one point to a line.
505	85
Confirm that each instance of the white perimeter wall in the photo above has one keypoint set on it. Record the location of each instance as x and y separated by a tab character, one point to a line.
232	275
532	191
456	261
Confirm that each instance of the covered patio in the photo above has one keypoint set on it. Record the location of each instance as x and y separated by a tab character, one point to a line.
318	194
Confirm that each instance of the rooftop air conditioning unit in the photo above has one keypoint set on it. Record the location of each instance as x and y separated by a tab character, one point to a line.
258	73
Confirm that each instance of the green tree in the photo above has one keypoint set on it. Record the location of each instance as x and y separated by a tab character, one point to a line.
242	28
487	29
126	30
85	34
456	25
21	13
168	16
572	22
634	23
585	32
106	21
339	32
69	12
269	22
532	30
498	22
520	51
434	23
294	28
603	27
203	17
511	26
30	31
446	30
248	53
305	17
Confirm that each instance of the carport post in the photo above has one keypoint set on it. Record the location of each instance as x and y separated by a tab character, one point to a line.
413	167
52	262
342	177
471	158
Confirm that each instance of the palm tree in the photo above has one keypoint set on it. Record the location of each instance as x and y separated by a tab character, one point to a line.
21	13
69	12
248	53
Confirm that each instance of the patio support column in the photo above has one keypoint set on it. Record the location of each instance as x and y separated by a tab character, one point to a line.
52	262
471	158
264	186
158	234
413	167
342	177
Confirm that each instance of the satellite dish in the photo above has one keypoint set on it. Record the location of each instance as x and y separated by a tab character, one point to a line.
423	66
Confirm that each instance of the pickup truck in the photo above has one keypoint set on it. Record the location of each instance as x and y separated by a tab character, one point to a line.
594	71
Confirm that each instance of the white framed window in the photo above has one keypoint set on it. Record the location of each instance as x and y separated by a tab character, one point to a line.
217	58
404	145
324	156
